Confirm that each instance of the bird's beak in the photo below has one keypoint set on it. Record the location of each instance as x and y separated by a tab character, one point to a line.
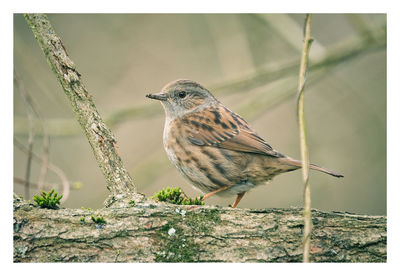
159	96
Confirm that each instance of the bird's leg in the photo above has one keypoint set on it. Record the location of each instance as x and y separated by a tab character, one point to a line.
239	197
214	192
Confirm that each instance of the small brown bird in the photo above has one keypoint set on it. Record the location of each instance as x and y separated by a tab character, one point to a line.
215	148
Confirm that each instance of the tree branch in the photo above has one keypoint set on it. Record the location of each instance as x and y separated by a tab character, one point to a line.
102	141
303	139
56	170
30	104
158	232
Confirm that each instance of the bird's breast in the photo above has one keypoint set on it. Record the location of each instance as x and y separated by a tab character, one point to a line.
168	141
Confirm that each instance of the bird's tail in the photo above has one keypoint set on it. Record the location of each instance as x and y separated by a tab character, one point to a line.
298	164
321	169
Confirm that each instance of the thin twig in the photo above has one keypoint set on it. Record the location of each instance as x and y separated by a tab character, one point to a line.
31	134
45	158
46	140
259	78
51	167
303	139
32	184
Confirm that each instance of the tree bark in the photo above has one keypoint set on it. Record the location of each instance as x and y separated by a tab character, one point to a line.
102	141
148	231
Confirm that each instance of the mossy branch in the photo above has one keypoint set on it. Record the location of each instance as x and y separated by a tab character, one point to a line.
98	134
303	139
148	231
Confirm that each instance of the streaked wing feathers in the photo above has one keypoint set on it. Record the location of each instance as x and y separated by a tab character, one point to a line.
220	127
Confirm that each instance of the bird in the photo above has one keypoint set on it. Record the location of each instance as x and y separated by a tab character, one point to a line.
215	148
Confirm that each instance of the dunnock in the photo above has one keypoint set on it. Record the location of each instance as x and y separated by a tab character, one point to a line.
215	148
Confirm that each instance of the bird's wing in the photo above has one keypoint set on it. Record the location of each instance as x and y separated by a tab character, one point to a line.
220	127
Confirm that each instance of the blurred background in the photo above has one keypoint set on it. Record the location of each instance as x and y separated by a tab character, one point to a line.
249	61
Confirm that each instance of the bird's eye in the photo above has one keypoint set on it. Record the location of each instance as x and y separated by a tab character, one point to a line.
182	94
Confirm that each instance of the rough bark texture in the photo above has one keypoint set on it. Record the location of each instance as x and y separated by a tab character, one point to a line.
98	134
156	232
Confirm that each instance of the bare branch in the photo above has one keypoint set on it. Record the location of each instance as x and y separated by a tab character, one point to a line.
102	141
31	133
303	139
260	78
46	144
60	173
45	186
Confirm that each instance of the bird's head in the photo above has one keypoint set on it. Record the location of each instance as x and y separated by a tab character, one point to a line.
183	96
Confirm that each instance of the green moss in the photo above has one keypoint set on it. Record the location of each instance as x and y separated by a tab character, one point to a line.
176	196
48	200
132	203
175	246
82	219
177	238
204	221
99	220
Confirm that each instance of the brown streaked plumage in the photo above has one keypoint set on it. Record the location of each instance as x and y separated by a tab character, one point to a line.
215	148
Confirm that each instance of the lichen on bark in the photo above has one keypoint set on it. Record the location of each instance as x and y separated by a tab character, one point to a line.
151	231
